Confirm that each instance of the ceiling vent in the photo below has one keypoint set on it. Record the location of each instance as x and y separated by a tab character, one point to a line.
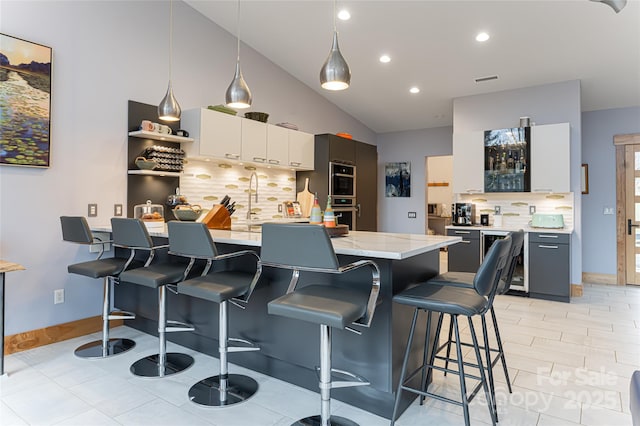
483	79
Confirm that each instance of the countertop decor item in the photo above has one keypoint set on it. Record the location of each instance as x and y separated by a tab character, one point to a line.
258	116
335	73
222	108
144	164
169	109
305	198
238	94
187	212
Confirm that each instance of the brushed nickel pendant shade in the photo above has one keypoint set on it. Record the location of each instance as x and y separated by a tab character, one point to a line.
616	5
169	109
335	73
238	94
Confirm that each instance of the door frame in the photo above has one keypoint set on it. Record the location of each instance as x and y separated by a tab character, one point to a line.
620	141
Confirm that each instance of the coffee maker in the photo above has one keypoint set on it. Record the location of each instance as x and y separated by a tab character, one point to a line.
463	214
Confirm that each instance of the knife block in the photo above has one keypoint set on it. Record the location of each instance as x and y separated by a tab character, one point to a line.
217	218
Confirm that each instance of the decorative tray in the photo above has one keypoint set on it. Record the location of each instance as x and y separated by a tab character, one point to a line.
338	231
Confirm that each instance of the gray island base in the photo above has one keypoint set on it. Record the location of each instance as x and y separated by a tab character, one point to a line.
289	350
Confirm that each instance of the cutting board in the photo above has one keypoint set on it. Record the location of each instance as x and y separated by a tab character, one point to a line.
305	198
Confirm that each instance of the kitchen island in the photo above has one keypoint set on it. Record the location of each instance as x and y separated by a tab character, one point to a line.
289	349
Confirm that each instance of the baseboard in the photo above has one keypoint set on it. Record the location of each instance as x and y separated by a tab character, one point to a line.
593	278
576	290
55	333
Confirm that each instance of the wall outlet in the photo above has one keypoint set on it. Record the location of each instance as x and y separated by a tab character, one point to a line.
412	215
92	210
497	209
279	208
607	210
532	209
58	296
117	209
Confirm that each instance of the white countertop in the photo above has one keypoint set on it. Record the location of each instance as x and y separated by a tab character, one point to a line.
358	243
513	228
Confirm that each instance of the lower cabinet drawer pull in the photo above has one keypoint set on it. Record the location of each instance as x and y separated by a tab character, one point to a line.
465	242
547	247
462	232
547	236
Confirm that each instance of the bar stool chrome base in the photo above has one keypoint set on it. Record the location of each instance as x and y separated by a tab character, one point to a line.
150	366
207	391
317	421
97	349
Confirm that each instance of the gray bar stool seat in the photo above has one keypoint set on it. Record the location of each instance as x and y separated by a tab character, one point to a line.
465	280
453	301
329	306
76	229
219	285
159	275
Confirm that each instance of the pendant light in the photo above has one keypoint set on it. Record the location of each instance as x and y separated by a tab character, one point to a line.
238	94
335	73
169	110
616	5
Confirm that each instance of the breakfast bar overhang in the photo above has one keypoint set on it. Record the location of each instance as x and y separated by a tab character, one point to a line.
288	349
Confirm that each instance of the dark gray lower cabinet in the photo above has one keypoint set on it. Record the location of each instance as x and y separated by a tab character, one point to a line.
549	266
465	255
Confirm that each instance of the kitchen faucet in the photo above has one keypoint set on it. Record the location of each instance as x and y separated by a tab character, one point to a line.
250	181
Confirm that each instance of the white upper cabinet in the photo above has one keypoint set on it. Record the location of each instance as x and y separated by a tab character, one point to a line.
301	150
550	158
220	135
215	134
468	162
277	145
254	141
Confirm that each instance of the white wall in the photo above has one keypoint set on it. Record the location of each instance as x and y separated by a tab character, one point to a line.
412	146
547	104
105	53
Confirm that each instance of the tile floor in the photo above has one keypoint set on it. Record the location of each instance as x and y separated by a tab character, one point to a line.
569	364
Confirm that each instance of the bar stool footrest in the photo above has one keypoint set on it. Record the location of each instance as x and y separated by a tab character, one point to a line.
176	326
207	391
343	379
245	346
121	315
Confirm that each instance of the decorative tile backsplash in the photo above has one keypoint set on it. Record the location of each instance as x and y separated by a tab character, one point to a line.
207	182
515	206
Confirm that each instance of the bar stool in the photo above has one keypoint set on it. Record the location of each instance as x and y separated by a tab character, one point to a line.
193	240
160	275
453	301
75	229
329	306
465	279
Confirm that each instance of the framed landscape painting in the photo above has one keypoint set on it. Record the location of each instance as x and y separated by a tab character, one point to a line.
25	102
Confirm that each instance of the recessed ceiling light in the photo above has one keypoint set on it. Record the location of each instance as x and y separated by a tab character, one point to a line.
344	15
385	58
414	90
482	37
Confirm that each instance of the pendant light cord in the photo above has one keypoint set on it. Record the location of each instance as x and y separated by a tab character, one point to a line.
335	28
170	37
238	30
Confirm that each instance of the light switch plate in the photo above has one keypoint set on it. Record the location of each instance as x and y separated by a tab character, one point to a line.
411	215
497	209
92	210
532	209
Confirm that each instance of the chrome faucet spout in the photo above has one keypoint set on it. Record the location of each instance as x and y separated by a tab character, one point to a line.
256	197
